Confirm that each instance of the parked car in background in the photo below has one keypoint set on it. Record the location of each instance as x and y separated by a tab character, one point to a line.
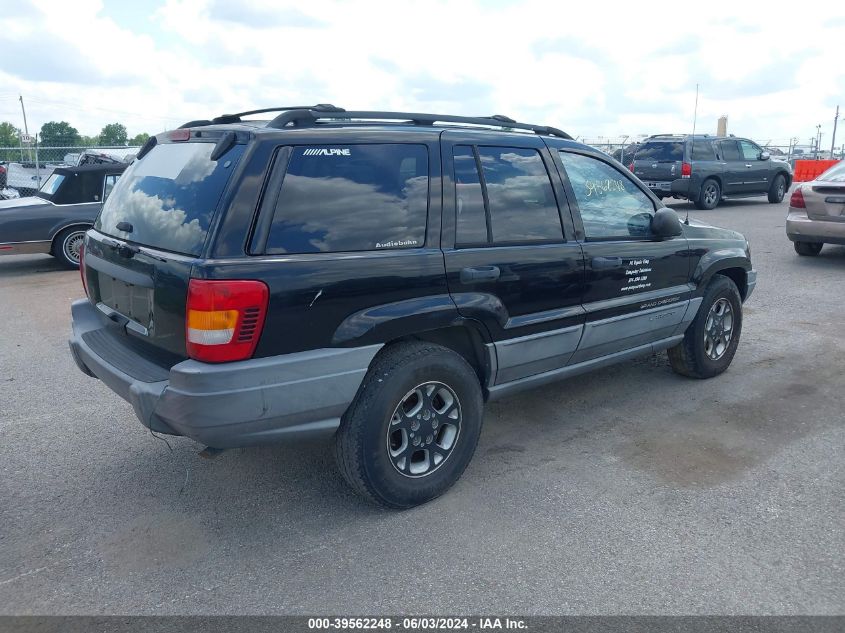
817	212
328	273
27	177
54	220
704	169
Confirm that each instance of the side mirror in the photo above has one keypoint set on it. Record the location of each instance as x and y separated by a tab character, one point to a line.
765	156
665	224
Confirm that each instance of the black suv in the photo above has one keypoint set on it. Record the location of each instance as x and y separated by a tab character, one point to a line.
377	276
704	169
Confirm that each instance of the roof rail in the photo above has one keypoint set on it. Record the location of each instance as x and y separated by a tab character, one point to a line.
308	117
236	117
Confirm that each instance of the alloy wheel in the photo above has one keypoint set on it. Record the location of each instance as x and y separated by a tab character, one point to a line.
718	329
424	429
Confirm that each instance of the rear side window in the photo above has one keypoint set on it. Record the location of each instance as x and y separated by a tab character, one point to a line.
730	150
520	203
352	198
702	150
169	196
661	151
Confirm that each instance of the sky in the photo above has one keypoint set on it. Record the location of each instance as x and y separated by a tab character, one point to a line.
598	70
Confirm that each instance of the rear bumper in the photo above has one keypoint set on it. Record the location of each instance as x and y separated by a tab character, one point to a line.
227	405
800	228
681	187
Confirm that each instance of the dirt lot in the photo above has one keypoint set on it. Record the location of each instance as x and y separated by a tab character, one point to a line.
631	490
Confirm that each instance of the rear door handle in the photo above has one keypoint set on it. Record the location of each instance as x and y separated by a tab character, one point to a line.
605	263
484	273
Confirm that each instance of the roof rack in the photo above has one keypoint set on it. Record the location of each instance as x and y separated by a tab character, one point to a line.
236	118
308	117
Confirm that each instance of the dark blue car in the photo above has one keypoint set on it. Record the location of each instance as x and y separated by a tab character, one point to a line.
55	219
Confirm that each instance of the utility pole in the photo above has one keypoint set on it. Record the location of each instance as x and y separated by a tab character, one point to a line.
25	128
833	140
818	140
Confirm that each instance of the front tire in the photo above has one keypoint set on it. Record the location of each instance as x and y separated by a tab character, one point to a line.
808	249
778	189
67	245
413	427
711	340
709	196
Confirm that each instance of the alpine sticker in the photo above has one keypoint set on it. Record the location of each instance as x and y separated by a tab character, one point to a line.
322	151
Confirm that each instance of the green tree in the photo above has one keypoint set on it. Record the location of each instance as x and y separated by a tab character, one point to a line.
89	141
9	137
113	134
59	134
140	139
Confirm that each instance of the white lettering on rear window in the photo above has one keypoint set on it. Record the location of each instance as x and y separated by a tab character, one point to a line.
332	151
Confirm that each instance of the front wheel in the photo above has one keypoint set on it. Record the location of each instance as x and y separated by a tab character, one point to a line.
413	427
808	249
709	196
711	340
67	246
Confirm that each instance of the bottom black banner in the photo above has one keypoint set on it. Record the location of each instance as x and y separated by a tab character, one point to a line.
567	624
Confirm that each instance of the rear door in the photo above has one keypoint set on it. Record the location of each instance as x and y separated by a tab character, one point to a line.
152	229
511	262
637	288
734	176
658	163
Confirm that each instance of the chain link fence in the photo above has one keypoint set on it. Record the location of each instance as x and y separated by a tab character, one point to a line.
24	169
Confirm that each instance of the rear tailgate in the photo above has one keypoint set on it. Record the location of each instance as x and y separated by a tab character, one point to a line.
659	161
152	230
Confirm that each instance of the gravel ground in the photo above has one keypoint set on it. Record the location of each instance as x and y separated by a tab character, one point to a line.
630	490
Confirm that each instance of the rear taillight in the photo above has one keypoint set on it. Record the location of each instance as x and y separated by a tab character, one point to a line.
686	170
82	267
631	167
224	319
796	201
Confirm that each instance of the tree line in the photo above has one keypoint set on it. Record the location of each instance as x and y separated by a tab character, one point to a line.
63	134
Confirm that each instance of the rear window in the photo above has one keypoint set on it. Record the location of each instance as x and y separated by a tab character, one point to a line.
661	151
51	185
352	198
835	173
169	196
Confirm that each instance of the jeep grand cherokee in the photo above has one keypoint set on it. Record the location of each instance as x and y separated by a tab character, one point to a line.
375	277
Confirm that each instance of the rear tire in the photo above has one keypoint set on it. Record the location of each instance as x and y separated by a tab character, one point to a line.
778	189
419	403
66	246
711	340
709	196
809	249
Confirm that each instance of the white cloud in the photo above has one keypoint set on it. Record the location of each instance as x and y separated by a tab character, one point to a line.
597	69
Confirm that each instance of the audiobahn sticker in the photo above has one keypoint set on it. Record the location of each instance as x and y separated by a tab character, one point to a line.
396	243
